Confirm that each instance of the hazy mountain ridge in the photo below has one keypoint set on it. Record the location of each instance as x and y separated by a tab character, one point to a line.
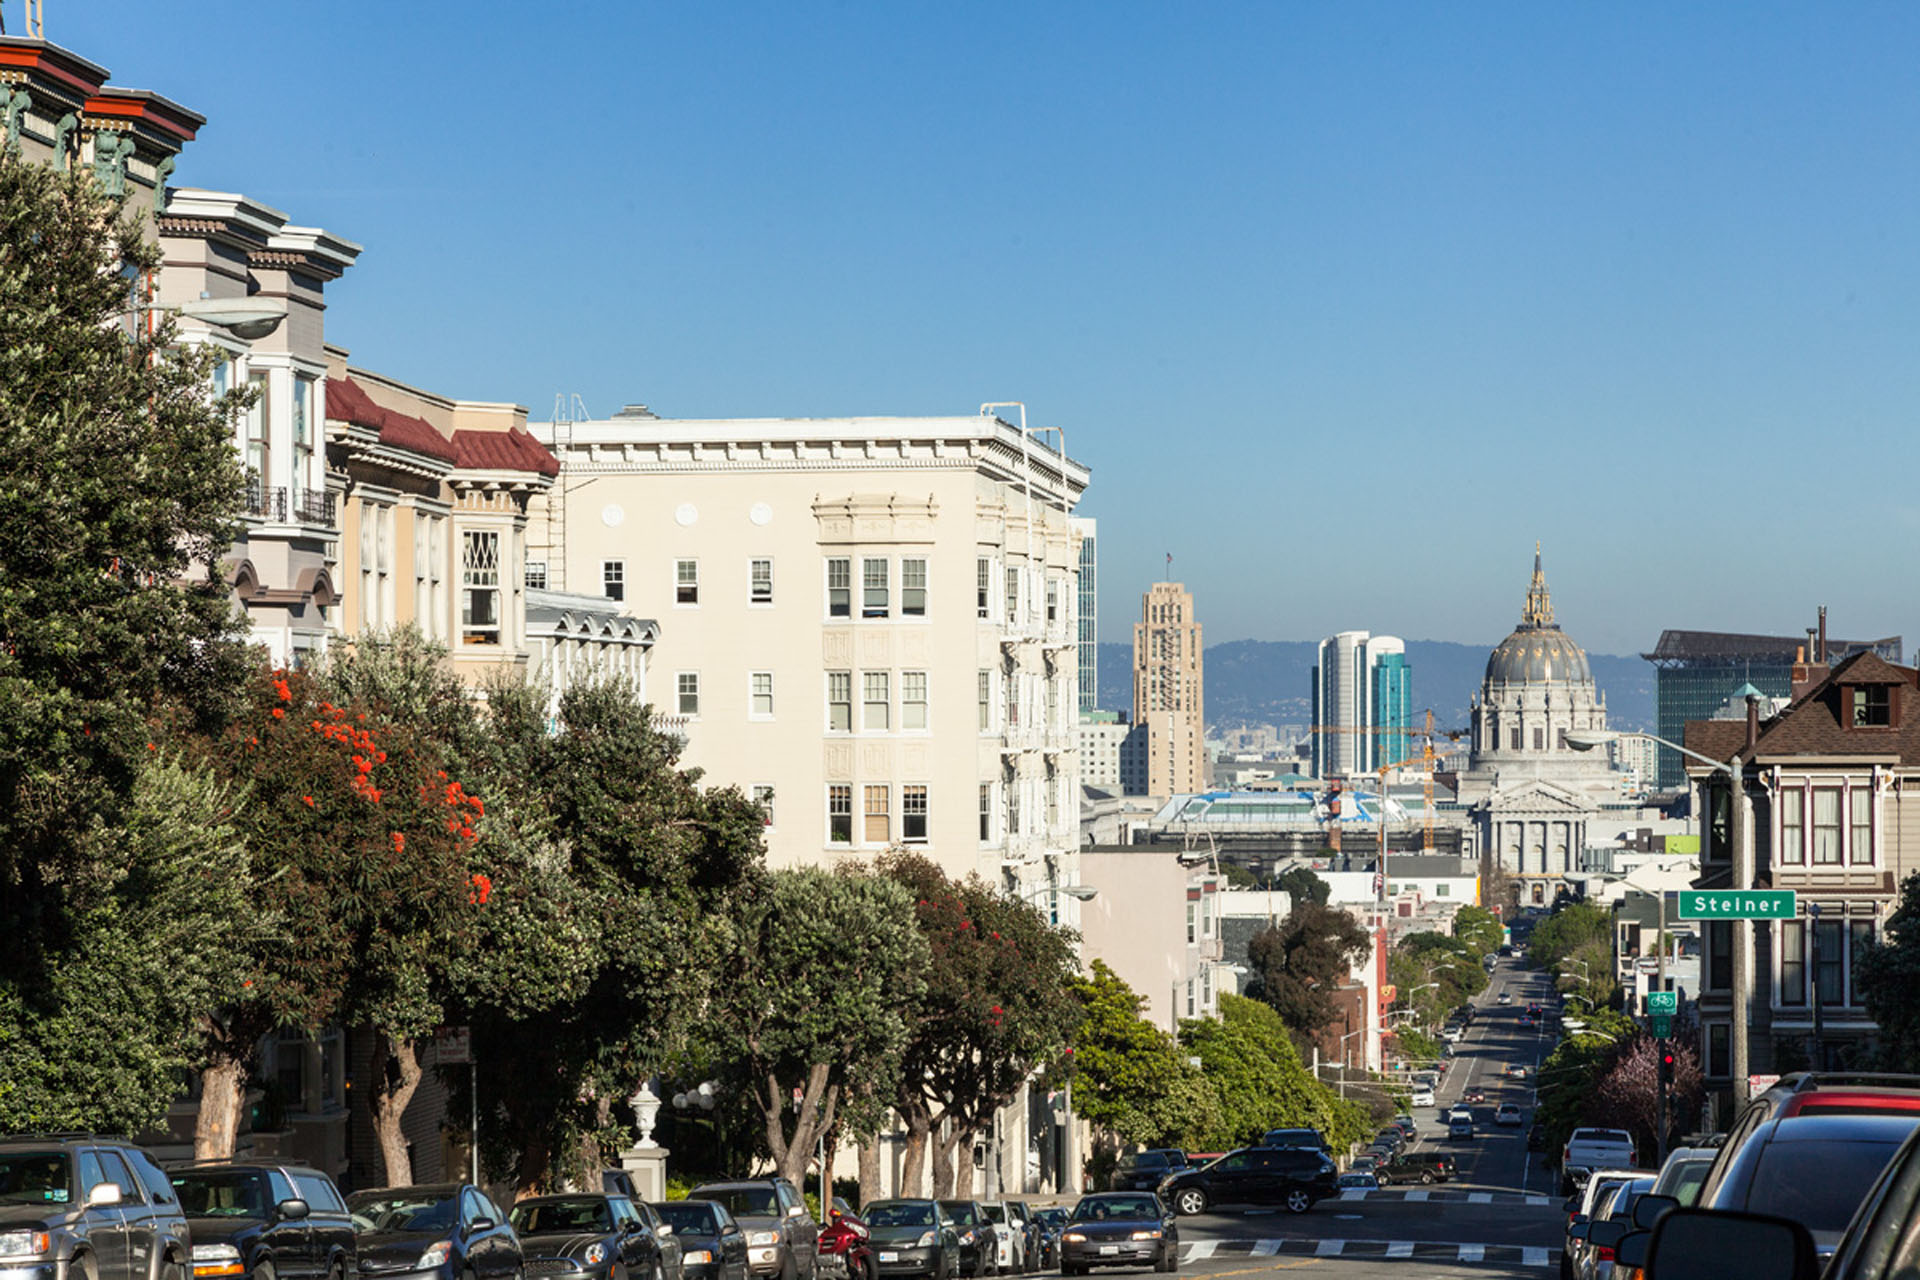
1269	681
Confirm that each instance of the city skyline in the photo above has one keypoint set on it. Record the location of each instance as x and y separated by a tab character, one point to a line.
1609	280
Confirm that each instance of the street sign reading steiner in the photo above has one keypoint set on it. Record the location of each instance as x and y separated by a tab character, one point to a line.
1736	904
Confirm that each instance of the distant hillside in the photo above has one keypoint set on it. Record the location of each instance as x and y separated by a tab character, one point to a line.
1268	681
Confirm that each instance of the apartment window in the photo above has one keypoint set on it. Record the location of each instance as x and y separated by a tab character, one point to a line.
536	573
1719	975
913	588
1193	925
687	686
1793	962
1513	740
913	813
1190	1009
613	579
986	812
479	587
839	587
1859	942
840	814
760	577
1872	707
1826	825
1539	739
879	814
1829	977
686	582
913	700
1860	828
303	435
1053	600
1013	809
761	695
875	704
1013	700
840	701
1719	1051
986	701
763	796
259	453
1013	594
1793	825
222	375
983	586
874	601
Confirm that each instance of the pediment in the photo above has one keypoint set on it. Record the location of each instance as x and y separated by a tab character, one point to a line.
1537	795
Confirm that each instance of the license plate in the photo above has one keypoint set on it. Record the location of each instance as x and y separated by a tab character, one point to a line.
888	1255
1109	1248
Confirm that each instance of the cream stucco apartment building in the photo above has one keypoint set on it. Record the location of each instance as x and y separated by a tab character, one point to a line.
867	623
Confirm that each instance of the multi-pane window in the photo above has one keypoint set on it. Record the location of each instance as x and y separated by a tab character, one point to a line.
839	587
913	813
1829	975
1872	706
1793	825
1826	825
686	686
1013	809
840	701
986	812
983	586
913	588
874	700
303	432
879	814
874	594
479	587
1860	825
1719	975
1859	940
1013	700
986	700
760	578
763	797
1719	1054
1793	962
1013	594
613	579
1053	599
259	456
686	582
761	694
913	700
840	813
1193	923
536	574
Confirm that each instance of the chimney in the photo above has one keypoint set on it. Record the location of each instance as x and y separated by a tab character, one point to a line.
1753	722
1822	659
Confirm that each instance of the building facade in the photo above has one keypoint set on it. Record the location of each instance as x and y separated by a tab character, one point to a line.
867	624
1362	704
1156	922
1169	699
1089	619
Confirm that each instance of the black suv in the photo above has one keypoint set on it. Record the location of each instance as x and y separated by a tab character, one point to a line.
1295	1138
1292	1176
89	1208
1145	1170
1416	1166
265	1220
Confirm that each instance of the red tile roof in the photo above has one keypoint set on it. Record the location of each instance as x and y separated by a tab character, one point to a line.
513	450
346	402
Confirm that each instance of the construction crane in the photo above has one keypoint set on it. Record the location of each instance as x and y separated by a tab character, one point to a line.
1426	759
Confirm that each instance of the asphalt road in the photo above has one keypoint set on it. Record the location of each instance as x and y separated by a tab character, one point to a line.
1499	1217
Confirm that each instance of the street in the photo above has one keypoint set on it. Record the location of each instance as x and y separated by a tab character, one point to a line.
1499	1216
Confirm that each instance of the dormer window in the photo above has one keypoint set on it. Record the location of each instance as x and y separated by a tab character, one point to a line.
1870	706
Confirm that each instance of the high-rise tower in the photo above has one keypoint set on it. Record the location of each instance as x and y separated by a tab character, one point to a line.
1361	684
1167	690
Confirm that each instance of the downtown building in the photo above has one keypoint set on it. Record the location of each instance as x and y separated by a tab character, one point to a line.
1362	705
1169	704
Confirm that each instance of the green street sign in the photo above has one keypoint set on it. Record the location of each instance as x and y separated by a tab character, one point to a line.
1662	1025
1736	904
1667	1002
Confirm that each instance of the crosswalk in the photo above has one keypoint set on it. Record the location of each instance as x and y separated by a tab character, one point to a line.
1430	1251
1444	1196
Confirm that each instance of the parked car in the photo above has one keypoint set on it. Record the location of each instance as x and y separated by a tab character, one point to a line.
1295	1138
100	1201
1052	1223
1010	1233
979	1237
1426	1167
602	1236
1474	1095
265	1220
1684	1172
913	1238
844	1250
1143	1170
1593	1148
1359	1180
1296	1177
1422	1096
1593	1250
712	1245
447	1230
1580	1207
1114	1229
1813	1169
1507	1114
782	1238
1537	1137
1814	1093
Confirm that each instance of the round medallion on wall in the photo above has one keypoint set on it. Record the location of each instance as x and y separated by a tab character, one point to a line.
686	513
612	514
760	513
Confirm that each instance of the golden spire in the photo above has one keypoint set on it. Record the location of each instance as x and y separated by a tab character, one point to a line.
1539	610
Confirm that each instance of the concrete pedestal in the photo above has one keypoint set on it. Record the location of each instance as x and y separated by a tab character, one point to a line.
648	1165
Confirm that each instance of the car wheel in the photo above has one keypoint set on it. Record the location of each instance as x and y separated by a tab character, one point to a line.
263	1270
174	1269
788	1269
1167	1260
1298	1201
1426	1177
1189	1201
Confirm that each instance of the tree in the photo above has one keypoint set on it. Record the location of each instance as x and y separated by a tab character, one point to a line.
1130	1077
1299	962
1303	886
1567	1080
1479	929
1258	1081
1888	976
1627	1095
823	967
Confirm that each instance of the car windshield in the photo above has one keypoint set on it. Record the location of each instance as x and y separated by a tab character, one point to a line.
961	1211
224	1193
35	1177
1101	1208
900	1213
538	1217
744	1202
689	1217
391	1211
994	1212
1818	1184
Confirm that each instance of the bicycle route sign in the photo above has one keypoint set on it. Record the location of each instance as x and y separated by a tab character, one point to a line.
1736	904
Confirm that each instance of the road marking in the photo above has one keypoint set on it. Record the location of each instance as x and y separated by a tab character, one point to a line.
1400	1249
1473	1253
1533	1257
1266	1248
1202	1250
1330	1248
1480	1197
1354	1193
1537	1200
1414	1197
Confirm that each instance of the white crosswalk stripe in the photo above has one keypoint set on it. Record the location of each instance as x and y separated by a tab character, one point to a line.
1267	1248
1203	1249
1384	1250
1478	1197
1473	1253
1330	1248
1400	1249
1531	1257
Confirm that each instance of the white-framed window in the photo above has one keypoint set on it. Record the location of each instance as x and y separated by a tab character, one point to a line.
913	699
1013	700
878	814
536	574
1053	599
1793	825
1860	825
760	582
913	587
1826	825
686	582
1193	922
259	440
1793	962
686	685
479	586
875	701
840	813
302	434
875	597
1013	593
760	695
986	700
983	587
913	813
613	579
840	701
986	813
1014	827
839	587
762	794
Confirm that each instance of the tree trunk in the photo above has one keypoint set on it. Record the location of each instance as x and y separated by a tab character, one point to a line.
869	1156
536	1158
943	1144
913	1162
396	1074
223	1092
818	1103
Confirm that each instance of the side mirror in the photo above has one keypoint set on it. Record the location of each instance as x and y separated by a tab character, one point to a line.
664	1231
293	1210
1707	1244
104	1196
482	1223
1571	1204
1647	1210
1631	1252
1606	1235
1578	1231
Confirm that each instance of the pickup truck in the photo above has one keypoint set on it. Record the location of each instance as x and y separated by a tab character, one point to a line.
1590	1149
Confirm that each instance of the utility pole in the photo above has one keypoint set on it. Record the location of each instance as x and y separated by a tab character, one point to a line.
1664	1046
1740	822
1813	983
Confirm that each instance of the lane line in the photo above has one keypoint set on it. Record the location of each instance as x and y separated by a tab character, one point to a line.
1330	1248
1400	1249
1473	1253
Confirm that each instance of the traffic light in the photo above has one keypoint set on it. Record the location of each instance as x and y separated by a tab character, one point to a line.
1666	1060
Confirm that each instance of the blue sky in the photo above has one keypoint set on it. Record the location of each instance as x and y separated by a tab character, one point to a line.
1345	305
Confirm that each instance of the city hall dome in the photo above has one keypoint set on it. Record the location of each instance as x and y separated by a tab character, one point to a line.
1538	688
1537	651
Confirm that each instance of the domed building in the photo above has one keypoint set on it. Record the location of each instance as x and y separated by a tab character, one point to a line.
1530	795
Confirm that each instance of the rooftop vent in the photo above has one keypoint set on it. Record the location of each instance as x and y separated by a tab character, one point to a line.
635	411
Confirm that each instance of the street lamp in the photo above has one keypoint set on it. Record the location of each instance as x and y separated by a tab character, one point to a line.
1079	892
1739	837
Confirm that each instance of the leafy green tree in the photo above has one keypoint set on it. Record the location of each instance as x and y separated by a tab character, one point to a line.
1434	974
1130	1077
1888	976
1627	1095
1568	1079
1303	886
1479	929
1575	943
1258	1081
122	489
1299	962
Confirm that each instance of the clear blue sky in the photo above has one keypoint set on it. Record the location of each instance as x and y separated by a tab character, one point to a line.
1345	305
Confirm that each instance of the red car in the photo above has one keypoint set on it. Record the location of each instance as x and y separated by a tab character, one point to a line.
845	1252
1474	1095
